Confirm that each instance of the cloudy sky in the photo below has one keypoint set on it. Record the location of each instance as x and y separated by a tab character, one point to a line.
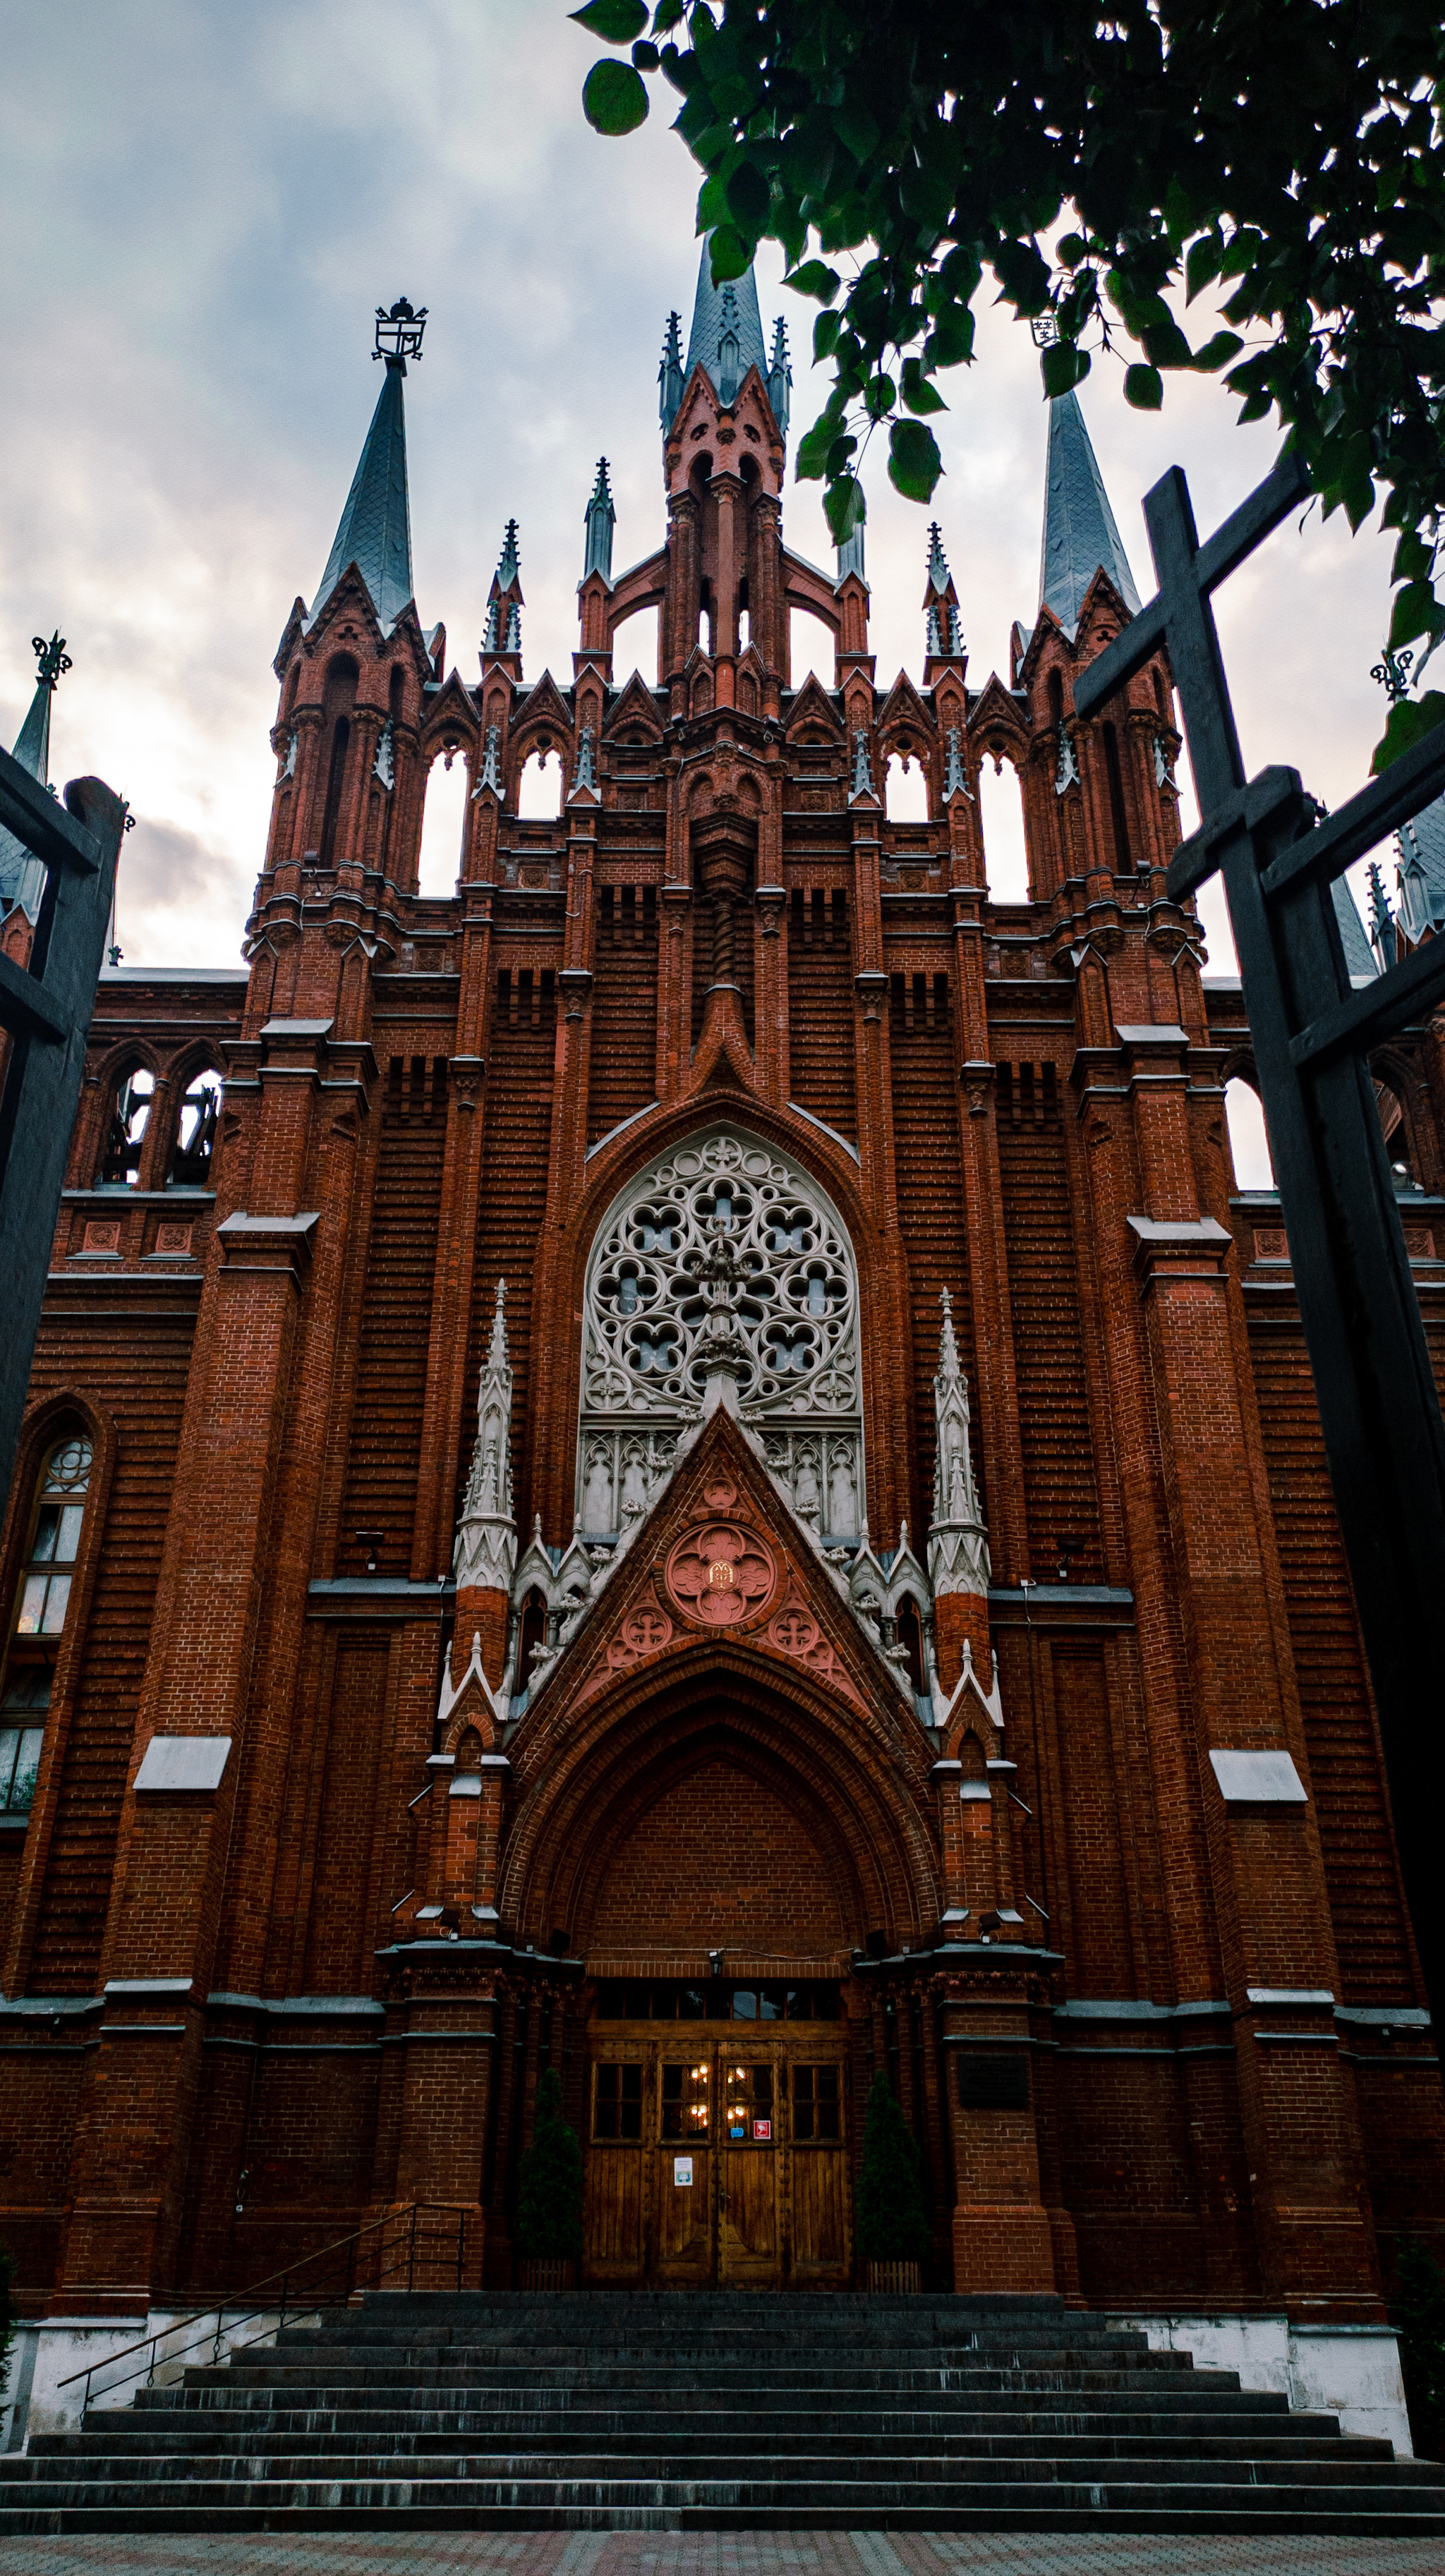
202	203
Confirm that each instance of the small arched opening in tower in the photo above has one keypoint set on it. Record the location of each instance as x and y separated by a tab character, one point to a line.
1001	820
533	1633
337	704
910	1637
443	822
539	789
906	787
1395	1129
1248	1136
812	649
634	648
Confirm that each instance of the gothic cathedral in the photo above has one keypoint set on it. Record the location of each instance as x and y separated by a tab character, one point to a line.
687	1466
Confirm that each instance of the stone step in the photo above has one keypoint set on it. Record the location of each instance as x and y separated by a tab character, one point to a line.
1316	2437
1114	2490
1183	2397
107	2474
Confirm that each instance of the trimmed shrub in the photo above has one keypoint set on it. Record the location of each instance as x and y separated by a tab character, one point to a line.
892	2221
549	2209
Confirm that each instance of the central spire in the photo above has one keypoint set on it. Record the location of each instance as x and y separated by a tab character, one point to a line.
375	528
1081	535
727	329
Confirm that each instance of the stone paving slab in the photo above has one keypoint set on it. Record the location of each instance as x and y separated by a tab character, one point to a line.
800	2553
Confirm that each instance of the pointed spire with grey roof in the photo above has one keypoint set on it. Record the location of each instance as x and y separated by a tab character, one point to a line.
780	376
727	329
670	378
599	523
22	875
503	631
375	529
940	603
1081	536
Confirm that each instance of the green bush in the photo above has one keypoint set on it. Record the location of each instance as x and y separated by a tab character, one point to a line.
892	2221
549	2210
1418	2309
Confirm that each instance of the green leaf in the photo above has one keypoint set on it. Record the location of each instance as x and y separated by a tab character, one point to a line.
614	98
879	396
1410	720
844	507
1072	249
1144	388
615	21
1412	559
665	15
1217	352
825	335
1415	612
856	128
914	463
1202	266
645	57
749	197
731	255
815	280
839	452
1166	346
1023	275
951	340
1063	368
918	394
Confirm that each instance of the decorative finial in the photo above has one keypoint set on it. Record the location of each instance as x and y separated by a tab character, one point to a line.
54	659
398	333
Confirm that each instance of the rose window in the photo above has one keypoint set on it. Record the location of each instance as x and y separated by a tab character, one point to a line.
724	1239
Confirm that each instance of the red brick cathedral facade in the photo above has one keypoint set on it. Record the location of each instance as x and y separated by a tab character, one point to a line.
686	1465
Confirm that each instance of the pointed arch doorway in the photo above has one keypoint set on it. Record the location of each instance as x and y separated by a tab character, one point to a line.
718	2106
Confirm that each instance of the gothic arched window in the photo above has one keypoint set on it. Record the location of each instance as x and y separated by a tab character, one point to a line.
195	1135
42	1605
722	1239
125	1131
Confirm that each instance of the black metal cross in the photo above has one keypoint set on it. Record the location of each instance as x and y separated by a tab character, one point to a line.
1311	1029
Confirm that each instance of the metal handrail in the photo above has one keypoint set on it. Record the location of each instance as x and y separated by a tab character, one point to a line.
275	2308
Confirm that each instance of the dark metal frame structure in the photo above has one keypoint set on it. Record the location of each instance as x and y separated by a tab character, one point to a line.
1311	1031
46	1006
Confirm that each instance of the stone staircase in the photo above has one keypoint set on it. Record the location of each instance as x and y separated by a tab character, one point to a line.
612	2412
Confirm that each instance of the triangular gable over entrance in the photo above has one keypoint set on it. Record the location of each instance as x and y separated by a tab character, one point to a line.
720	1559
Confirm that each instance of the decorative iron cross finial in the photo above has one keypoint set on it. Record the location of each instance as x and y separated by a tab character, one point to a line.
1392	674
398	333
54	659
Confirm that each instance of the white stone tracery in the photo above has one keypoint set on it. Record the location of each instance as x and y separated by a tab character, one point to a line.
723	1242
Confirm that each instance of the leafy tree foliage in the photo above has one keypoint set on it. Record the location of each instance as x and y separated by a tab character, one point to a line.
549	2208
1419	2311
892	2222
1103	170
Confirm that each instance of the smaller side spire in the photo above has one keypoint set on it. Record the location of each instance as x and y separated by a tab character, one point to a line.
850	556
22	875
669	375
940	604
780	376
485	1555
958	1541
599	522
503	631
729	347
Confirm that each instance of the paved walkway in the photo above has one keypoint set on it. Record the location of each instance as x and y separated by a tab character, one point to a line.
800	2553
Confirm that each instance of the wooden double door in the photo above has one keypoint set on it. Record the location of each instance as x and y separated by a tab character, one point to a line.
718	2162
